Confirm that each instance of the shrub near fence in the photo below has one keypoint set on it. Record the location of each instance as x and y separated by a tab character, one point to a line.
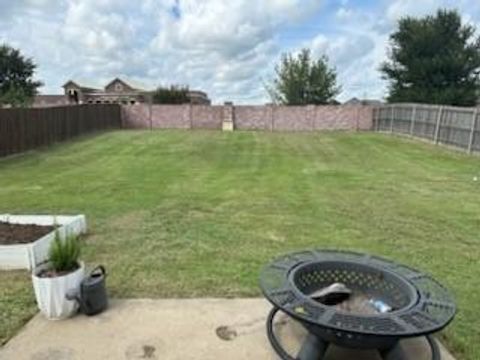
454	126
28	128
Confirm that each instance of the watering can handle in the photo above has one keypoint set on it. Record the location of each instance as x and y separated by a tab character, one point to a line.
100	268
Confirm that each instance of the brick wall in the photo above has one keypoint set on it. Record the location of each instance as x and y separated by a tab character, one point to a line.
253	117
262	117
162	117
206	117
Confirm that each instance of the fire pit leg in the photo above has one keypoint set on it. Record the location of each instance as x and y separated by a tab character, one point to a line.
313	348
394	353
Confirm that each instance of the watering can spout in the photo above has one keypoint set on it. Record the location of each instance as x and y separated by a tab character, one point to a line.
74	295
92	295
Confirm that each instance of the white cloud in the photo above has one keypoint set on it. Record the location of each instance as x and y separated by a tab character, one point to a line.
344	13
223	47
398	9
343	49
469	9
358	44
218	46
230	43
356	58
100	28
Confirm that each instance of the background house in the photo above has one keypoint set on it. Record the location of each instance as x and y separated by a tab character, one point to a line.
116	91
367	102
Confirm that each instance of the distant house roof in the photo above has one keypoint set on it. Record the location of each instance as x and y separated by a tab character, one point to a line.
84	88
369	102
132	86
128	85
197	93
70	82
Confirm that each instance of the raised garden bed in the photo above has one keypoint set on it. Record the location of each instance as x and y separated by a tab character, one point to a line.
25	239
12	234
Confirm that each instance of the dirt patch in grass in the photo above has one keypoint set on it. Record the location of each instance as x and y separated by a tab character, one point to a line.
11	234
128	221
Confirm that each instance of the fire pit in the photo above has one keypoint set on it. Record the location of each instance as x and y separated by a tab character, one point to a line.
417	305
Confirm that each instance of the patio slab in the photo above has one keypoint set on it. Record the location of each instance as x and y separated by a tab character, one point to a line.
170	330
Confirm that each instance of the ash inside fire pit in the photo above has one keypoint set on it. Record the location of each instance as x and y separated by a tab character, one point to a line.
346	300
361	304
358	289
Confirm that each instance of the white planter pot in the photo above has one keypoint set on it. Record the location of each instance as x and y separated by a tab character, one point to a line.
50	293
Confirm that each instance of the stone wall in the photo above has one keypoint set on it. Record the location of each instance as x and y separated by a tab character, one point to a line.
206	117
253	117
161	117
262	117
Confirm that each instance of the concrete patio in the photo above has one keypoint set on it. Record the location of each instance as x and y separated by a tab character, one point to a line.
171	330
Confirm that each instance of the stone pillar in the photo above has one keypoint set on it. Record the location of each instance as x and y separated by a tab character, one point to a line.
271	117
310	109
228	117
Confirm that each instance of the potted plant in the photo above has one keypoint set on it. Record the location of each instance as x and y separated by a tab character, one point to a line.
54	279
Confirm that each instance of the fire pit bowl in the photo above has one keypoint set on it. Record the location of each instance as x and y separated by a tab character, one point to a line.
418	305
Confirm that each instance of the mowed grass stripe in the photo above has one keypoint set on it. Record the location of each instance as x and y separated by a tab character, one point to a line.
184	214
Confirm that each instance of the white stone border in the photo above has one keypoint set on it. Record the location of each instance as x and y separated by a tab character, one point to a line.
28	256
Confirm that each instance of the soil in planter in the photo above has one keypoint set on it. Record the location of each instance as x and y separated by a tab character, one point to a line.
50	273
11	234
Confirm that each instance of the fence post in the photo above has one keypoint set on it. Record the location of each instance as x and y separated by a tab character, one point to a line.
228	123
437	126
190	115
357	115
272	119
412	122
311	115
472	130
150	119
376	117
392	115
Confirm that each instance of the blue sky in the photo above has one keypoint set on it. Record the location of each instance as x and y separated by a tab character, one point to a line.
227	48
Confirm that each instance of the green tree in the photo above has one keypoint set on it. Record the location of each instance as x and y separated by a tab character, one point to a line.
302	80
435	59
17	87
174	94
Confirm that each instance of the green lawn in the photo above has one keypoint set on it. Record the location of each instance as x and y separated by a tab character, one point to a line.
184	214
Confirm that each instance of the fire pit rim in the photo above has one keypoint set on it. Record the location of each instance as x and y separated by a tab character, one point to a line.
294	259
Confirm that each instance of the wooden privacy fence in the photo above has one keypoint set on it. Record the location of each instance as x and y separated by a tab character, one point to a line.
23	129
454	126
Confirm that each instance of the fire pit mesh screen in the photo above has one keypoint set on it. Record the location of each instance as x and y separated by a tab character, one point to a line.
366	280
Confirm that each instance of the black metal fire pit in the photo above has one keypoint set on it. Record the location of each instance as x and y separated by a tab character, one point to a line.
419	305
